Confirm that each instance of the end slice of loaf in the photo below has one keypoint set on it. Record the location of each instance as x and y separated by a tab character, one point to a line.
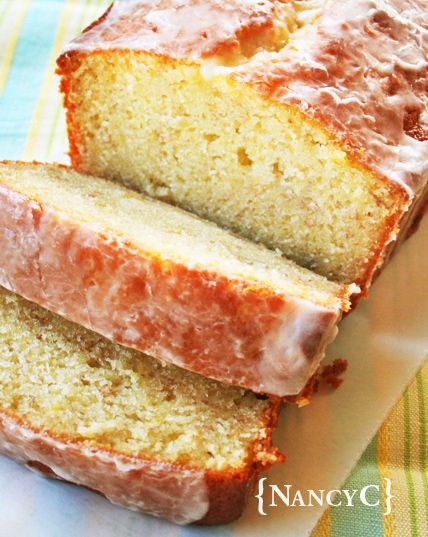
158	279
149	437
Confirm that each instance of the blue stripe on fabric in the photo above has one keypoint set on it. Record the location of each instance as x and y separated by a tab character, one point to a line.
360	519
26	75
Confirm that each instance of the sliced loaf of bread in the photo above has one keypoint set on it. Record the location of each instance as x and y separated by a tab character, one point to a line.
149	437
158	279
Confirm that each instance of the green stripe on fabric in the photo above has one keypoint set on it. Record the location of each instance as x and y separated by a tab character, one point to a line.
26	76
367	520
423	441
407	466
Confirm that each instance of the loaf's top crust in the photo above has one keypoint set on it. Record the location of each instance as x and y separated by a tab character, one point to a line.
359	68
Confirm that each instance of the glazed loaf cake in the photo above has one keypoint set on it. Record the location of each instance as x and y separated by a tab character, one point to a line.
149	437
163	281
302	124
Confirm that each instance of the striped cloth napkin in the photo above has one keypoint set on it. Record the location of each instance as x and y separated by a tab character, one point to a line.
32	126
399	451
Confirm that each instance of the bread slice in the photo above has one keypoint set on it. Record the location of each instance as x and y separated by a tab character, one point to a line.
153	277
149	437
300	124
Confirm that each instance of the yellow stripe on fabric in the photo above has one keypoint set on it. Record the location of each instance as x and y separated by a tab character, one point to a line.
47	138
323	528
12	42
6	6
79	27
408	465
49	78
398	477
383	444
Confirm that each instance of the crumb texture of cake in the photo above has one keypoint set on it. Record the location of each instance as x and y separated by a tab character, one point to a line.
148	436
299	124
163	281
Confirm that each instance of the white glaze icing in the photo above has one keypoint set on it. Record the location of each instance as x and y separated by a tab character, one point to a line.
341	72
200	320
188	27
159	489
289	341
336	63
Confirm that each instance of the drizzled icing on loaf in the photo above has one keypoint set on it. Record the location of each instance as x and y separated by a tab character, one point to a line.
157	488
359	67
363	72
193	28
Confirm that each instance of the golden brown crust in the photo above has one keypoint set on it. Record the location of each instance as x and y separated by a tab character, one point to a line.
327	374
227	496
67	63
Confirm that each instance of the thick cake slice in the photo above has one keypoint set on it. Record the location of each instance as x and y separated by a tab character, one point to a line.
153	277
302	124
149	437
